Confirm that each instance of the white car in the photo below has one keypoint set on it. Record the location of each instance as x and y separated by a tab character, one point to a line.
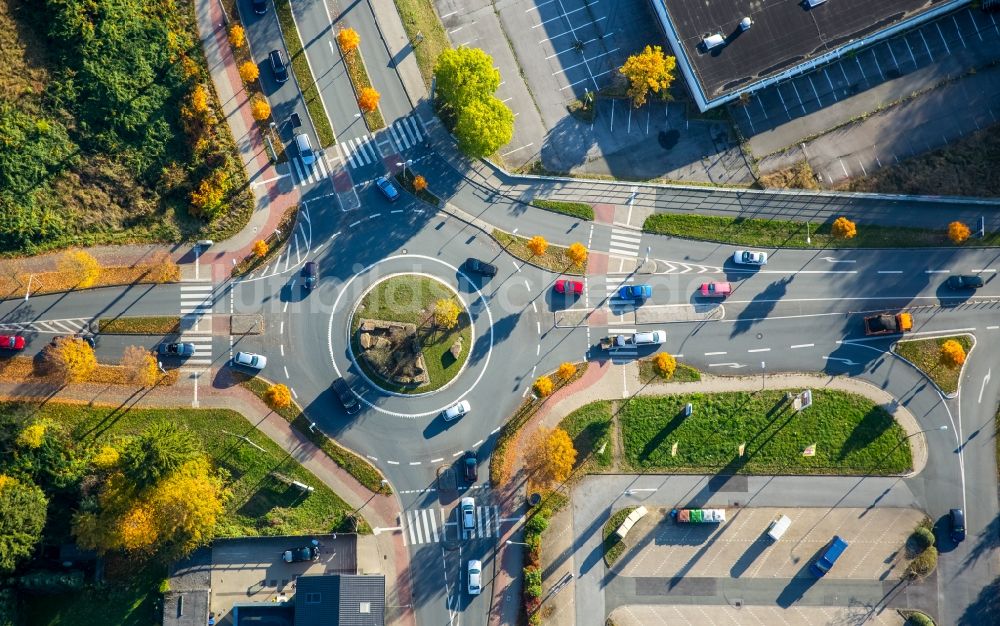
749	257
251	360
653	338
468	508
456	410
475	578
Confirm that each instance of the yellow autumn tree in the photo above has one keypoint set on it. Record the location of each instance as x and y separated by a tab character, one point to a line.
348	39
538	245
566	371
844	228
543	386
260	109
249	72
137	529
665	364
278	397
72	359
32	436
80	266
237	37
419	183
106	458
199	99
952	353
368	99
549	456
577	253
446	313
140	366
649	70
958	232
207	197
260	248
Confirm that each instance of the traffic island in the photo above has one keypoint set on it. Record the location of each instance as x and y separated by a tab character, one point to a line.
939	358
411	334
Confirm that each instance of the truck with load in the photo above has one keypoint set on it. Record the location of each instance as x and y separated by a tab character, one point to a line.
698	516
888	323
617	342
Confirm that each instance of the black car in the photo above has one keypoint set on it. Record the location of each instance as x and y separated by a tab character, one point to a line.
259	6
470	466
278	65
964	282
957	525
309	275
346	396
481	267
297	555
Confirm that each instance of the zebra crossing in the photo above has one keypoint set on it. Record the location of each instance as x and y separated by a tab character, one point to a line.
428	525
360	151
308	174
72	326
196	304
406	133
627	354
624	242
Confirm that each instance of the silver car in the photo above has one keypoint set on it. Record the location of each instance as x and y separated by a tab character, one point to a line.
468	507
749	257
457	410
475	578
251	360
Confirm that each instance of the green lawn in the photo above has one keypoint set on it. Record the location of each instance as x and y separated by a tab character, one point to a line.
613	546
581	210
590	427
130	597
410	298
261	504
303	74
789	234
683	373
925	354
853	435
554	259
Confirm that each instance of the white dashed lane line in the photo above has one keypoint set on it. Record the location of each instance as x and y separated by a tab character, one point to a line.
802	345
457	453
760	350
714	353
393	462
414	462
437	460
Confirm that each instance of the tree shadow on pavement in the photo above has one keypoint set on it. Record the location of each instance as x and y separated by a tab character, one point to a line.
761	306
984	608
800	583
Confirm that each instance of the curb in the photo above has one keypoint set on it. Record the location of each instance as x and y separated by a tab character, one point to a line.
961	372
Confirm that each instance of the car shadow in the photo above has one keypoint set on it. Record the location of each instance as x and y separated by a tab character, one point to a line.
801	582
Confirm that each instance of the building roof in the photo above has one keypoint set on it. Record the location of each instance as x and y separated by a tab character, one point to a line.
784	34
185	608
340	600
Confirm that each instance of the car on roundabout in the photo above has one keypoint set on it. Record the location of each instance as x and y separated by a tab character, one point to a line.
480	267
12	342
347	398
456	410
749	257
715	289
310	274
250	360
573	287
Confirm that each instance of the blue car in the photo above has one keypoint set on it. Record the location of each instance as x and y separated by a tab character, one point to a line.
825	562
635	292
387	188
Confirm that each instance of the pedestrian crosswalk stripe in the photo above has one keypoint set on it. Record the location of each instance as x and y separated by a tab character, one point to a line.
405	133
421	525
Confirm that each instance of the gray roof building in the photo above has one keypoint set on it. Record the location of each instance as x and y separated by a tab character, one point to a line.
340	600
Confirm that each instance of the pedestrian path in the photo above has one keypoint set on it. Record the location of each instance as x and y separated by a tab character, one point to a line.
202	348
428	525
624	242
197	300
406	133
359	151
311	174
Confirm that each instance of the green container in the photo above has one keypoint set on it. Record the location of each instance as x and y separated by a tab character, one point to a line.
697	516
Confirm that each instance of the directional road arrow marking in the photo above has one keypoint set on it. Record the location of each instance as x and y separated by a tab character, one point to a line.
844	361
732	365
986	379
833	260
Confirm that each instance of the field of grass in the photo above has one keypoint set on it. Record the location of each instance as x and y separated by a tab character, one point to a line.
590	427
788	234
419	17
554	259
925	354
580	210
683	373
303	75
613	546
852	435
410	299
139	325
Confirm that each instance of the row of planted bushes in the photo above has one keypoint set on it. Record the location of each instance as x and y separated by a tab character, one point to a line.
538	521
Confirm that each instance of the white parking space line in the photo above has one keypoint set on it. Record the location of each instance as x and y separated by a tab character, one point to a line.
528	145
893	55
929	53
877	66
941	33
585	60
815	93
910	48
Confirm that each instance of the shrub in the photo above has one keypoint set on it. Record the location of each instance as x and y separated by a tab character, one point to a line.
543	386
577	254
538	245
419	183
924	564
81	266
532	582
566	371
260	248
952	353
958	232
916	618
278	397
665	364
537	524
237	38
922	538
844	228
249	72
199	99
348	39
260	109
368	99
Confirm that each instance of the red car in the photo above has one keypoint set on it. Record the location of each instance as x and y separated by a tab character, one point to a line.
574	287
716	290
12	342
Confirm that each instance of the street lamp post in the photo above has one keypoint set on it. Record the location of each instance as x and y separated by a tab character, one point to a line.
403	164
762	375
517	543
942	428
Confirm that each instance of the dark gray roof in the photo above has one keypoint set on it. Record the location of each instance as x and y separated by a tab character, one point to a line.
784	34
185	608
337	600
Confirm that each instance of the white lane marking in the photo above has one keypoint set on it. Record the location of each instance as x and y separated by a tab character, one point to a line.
937	271
437	460
393	462
992	327
714	353
477	444
986	379
414	462
984	270
760	350
890	271
803	345
282	346
456	454
286	371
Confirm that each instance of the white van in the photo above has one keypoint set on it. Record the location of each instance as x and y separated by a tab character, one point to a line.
778	527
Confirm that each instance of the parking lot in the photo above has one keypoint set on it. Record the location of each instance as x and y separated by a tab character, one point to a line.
698	615
740	548
945	46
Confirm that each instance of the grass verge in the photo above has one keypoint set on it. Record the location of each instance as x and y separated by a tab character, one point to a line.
275	242
410	299
789	234
14	281
590	429
580	210
22	369
425	195
362	470
554	259
683	373
303	73
359	78
140	325
852	435
419	18
262	501
926	355
613	546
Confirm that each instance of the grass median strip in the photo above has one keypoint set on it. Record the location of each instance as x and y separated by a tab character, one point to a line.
359	78
580	210
23	369
683	374
926	355
554	259
362	470
140	325
614	547
425	32
303	74
789	234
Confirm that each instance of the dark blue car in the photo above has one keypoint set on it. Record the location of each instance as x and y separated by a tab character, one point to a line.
387	188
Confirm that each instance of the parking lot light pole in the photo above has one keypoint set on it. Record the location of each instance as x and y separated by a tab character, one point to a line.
517	543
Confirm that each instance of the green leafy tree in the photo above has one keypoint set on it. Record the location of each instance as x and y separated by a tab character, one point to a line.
160	450
483	126
32	150
464	75
22	517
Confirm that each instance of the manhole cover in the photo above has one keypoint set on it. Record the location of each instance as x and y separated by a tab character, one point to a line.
760	335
